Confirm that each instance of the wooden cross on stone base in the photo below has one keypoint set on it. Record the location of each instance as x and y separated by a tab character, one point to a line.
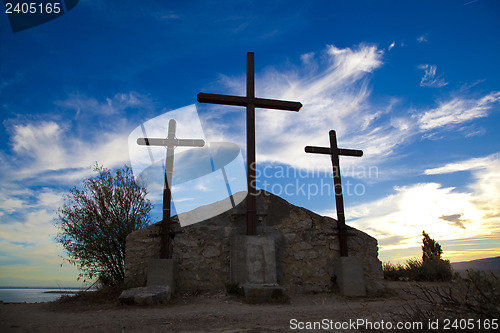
250	102
170	143
334	152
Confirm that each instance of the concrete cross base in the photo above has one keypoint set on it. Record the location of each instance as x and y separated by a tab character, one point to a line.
161	272
253	266
350	276
253	260
257	294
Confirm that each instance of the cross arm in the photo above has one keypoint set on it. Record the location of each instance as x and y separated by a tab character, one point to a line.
350	152
318	150
263	103
152	142
277	104
189	143
222	99
171	143
326	150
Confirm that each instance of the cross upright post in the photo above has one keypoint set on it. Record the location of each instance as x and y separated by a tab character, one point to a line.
250	102
334	153
170	143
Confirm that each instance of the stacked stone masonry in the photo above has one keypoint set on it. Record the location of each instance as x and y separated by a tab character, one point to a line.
306	247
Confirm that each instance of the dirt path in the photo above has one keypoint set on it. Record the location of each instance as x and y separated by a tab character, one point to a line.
205	313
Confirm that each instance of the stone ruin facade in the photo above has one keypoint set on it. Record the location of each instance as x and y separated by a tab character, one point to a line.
306	246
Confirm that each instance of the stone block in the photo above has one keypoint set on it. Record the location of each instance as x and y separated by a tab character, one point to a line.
210	252
299	255
151	295
350	276
161	272
304	246
253	260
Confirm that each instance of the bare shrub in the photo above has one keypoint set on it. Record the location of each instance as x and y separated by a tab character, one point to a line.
476	297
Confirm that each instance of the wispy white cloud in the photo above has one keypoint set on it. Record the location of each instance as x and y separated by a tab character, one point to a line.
430	79
470	2
110	106
48	146
471	131
7	82
164	14
467	165
64	150
12	199
391	46
456	111
422	39
307	57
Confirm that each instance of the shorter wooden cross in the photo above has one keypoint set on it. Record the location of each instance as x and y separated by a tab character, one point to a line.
334	152
171	142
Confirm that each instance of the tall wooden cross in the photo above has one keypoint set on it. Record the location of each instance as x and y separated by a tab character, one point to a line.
250	102
334	152
170	143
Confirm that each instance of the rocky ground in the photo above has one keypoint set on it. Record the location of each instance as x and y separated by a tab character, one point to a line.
208	313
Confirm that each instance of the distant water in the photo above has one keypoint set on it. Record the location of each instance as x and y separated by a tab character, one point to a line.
31	295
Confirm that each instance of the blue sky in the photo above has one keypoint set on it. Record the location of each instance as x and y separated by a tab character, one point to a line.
414	84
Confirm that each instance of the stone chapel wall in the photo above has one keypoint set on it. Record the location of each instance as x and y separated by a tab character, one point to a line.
306	246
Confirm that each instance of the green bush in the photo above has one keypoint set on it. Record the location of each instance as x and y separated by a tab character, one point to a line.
95	221
431	249
436	270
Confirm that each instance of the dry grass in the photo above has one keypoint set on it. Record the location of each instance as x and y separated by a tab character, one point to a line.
105	297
